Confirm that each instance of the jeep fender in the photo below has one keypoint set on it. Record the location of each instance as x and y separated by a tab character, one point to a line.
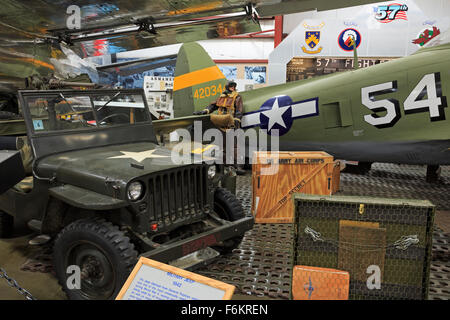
85	199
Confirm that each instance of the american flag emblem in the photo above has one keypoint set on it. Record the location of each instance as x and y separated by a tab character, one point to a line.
391	12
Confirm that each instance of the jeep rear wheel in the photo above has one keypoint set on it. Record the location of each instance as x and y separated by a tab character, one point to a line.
229	208
104	255
6	225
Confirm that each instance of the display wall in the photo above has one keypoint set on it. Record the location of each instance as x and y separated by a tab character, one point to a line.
247	75
384	29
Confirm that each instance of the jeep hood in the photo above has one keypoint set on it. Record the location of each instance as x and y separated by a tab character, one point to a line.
98	169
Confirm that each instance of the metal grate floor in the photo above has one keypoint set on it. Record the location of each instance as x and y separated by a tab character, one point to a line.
262	265
398	181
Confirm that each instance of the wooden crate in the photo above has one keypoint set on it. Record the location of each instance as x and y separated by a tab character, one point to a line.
298	172
336	178
313	283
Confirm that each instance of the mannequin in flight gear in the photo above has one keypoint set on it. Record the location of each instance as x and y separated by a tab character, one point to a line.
229	102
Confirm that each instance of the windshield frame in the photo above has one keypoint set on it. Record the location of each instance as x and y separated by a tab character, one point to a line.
53	142
67	94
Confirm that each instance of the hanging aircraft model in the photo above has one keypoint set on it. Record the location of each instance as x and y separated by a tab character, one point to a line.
42	42
36	35
395	112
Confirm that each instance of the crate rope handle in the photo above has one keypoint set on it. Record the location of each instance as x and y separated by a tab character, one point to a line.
316	236
402	244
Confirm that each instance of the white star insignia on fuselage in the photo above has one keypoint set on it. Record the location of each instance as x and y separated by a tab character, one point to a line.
138	156
275	115
299	109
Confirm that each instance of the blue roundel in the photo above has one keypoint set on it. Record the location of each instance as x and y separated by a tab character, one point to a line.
276	113
347	37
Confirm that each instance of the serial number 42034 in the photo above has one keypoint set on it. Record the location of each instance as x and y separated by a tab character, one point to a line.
206	92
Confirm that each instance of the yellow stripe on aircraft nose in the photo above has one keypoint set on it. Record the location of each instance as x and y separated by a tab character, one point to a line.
197	77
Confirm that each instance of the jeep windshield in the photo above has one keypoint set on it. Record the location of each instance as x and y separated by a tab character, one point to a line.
68	120
62	110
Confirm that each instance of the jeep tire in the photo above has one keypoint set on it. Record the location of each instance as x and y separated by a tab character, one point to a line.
6	225
229	208
104	255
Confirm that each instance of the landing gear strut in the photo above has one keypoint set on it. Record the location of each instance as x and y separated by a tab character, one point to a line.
361	168
433	173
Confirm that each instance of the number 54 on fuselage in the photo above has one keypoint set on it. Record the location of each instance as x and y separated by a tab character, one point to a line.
394	112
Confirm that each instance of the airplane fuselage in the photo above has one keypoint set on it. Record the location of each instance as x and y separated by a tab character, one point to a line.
392	112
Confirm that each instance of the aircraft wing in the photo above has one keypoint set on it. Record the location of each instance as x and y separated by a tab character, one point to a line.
139	65
31	30
122	25
168	125
281	7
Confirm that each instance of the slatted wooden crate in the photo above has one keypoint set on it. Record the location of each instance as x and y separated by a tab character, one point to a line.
278	175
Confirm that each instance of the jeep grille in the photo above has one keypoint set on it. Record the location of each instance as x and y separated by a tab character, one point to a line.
179	194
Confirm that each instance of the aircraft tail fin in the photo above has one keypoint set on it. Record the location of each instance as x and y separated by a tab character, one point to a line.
198	81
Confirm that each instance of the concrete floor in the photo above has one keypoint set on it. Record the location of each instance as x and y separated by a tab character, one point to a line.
14	252
43	286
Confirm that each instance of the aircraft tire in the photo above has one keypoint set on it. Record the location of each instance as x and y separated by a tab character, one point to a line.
433	173
362	168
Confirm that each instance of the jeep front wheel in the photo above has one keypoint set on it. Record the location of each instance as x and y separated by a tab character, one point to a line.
229	208
6	225
104	257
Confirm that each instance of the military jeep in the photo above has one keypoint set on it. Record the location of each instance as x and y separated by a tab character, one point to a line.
106	192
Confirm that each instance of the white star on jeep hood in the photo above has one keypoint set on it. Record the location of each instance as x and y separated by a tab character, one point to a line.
138	156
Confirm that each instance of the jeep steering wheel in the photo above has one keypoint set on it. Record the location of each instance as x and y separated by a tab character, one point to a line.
115	115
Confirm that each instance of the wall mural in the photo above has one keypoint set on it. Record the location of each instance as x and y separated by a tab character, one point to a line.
256	73
230	72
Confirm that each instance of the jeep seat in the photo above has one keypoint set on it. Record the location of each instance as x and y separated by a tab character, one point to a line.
27	155
24	186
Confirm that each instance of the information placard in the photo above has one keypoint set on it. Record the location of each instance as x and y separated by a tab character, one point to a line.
153	280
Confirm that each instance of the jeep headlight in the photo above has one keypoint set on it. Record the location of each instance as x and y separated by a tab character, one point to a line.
211	172
135	190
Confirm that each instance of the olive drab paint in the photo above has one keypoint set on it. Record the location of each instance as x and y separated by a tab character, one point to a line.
207	82
395	112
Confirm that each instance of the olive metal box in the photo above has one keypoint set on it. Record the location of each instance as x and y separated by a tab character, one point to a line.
385	244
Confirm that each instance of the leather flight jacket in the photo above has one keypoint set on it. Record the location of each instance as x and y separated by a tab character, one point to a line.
225	103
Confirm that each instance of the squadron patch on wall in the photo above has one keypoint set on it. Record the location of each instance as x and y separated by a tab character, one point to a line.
426	35
348	37
312	39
